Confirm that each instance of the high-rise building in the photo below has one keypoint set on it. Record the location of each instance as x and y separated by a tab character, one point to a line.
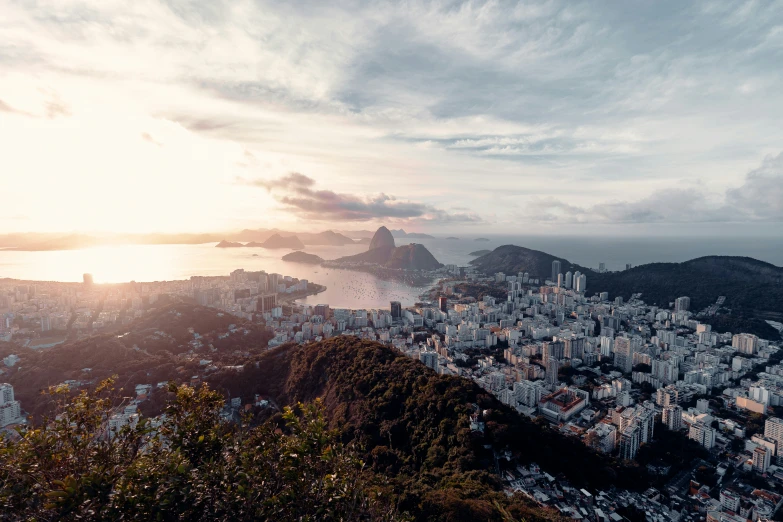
628	266
602	267
430	359
761	459
703	434
322	310
773	430
672	417
553	350
396	310
668	396
559	280
623	354
682	304
629	442
266	302
555	269
605	437
272	281
10	410
443	303
745	343
569	279
87	278
574	347
552	369
580	283
46	323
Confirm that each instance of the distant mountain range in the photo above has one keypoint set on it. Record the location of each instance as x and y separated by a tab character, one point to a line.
43	242
273	241
57	241
753	288
327	237
398	233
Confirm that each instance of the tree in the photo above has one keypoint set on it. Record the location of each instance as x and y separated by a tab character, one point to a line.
191	466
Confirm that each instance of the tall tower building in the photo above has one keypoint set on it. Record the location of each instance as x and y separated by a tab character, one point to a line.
773	429
581	283
555	269
10	410
623	354
396	310
629	442
569	277
552	369
672	417
745	343
553	350
682	304
443	303
46	323
761	459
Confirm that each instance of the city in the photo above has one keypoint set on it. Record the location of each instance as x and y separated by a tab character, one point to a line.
610	373
421	260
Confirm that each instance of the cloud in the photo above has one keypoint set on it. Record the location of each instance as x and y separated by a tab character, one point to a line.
4	107
292	181
295	192
761	196
758	199
55	108
147	137
581	113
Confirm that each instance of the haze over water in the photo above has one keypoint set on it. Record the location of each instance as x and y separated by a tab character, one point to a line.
143	263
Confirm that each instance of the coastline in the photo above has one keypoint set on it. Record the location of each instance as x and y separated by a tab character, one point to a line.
290	299
414	278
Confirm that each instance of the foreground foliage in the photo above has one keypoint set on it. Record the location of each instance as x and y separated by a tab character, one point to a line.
192	465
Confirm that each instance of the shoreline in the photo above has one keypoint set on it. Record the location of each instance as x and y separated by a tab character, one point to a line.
290	299
413	278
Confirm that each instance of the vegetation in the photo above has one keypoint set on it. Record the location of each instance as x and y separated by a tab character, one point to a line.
302	257
398	437
722	323
152	349
417	422
193	466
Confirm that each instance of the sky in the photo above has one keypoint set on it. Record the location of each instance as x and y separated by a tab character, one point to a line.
506	117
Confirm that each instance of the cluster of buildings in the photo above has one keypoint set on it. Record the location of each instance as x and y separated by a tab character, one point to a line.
604	370
598	368
41	314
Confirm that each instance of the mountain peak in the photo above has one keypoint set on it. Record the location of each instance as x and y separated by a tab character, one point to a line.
382	238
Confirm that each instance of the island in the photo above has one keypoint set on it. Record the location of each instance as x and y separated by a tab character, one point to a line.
302	257
452	237
480	253
229	244
481	239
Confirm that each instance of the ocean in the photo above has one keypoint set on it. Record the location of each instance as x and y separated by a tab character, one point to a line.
351	289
